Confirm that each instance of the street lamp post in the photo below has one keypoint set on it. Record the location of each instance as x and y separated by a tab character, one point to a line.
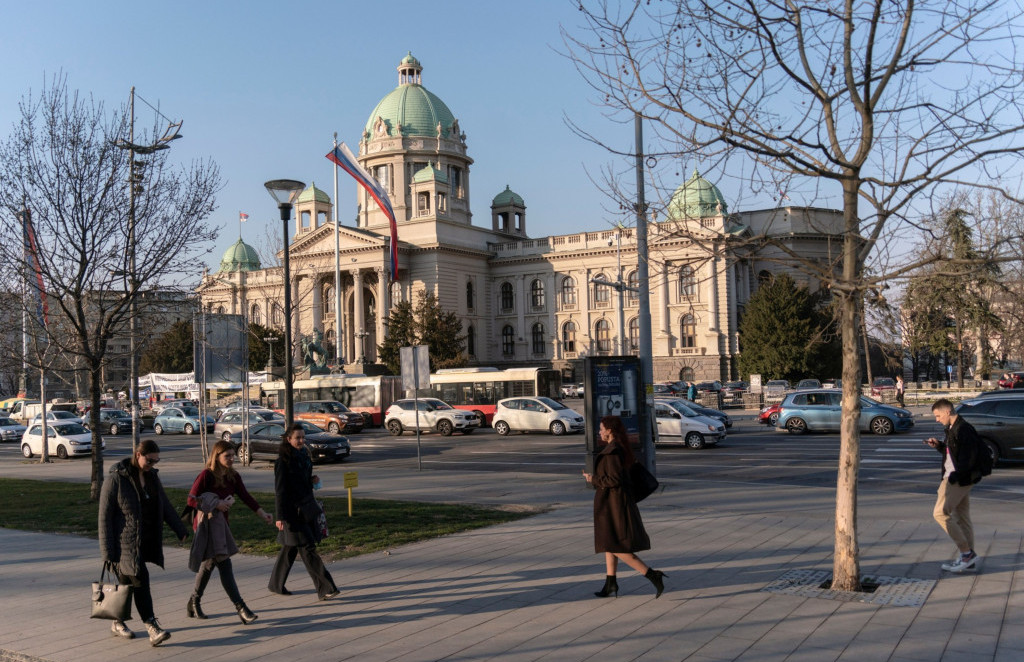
284	192
619	287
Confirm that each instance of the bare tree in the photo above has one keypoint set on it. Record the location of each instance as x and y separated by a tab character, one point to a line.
882	104
61	163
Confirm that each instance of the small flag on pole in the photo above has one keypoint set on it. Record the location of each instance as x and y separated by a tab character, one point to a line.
242	217
34	278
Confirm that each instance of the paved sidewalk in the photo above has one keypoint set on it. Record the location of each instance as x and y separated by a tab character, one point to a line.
524	590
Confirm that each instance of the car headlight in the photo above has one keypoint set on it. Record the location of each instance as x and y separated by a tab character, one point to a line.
712	428
317	445
78	443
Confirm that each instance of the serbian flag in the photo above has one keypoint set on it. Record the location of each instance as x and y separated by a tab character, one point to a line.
342	157
242	217
34	275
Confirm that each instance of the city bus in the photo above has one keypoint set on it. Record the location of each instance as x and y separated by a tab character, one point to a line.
479	389
369	395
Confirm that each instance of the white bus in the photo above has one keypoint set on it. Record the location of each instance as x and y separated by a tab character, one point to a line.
479	389
369	395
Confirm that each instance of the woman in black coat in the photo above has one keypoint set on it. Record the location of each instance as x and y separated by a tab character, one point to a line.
296	507
618	530
133	510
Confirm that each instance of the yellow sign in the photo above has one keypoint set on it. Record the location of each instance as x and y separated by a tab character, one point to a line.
351	479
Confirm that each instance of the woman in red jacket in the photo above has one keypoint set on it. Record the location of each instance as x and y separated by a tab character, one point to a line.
212	495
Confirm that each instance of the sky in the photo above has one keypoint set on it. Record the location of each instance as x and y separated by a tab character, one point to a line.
262	87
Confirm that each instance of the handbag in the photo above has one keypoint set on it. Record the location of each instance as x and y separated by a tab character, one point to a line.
642	482
312	511
111	601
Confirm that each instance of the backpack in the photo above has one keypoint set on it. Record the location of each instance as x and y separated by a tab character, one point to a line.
985	460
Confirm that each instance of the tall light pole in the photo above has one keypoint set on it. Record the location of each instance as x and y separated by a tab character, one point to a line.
619	287
284	192
135	187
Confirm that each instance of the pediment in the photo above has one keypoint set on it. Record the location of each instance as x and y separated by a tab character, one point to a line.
322	239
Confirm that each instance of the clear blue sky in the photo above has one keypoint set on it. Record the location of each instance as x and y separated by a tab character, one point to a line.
262	86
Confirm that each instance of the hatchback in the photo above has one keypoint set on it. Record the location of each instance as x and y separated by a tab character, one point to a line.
434	414
679	423
11	430
180	419
265	439
63	439
999	422
56	416
820	410
233	421
535	415
330	415
116	421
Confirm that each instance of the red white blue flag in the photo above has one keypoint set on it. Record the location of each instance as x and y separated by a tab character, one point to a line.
343	158
34	271
242	217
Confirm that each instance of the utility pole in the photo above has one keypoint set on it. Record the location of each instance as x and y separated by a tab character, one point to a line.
646	365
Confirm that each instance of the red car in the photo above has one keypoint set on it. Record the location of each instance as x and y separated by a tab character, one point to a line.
881	385
770	414
1012	380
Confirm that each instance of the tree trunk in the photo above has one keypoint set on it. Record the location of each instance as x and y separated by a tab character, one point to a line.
95	389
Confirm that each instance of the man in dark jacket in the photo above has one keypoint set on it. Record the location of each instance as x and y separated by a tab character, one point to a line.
960	471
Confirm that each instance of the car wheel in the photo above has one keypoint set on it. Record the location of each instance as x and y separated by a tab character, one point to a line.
333	428
26	450
243	453
881	425
189	429
62	452
773	419
113	429
480	417
502	428
445	428
695	440
226	436
993	449
557	428
395	427
158	429
796	426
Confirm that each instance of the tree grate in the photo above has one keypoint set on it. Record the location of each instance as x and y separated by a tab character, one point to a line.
881	590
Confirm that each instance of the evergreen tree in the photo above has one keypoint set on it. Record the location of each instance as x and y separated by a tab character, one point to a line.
258	346
401	333
426	324
170	352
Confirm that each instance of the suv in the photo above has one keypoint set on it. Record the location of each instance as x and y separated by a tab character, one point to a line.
535	414
233	421
999	422
679	423
434	414
330	415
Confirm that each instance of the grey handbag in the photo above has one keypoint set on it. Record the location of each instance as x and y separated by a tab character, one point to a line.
112	601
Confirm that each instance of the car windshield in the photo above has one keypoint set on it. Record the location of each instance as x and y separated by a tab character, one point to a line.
885	381
335	408
6	423
557	406
63	414
310	428
116	413
682	408
69	428
267	415
190	411
438	404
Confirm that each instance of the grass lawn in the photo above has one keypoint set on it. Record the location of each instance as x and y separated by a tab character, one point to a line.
375	525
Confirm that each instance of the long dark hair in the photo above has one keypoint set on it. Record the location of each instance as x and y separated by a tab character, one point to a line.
284	449
145	447
614	425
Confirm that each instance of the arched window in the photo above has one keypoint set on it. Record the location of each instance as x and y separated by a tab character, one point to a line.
220	310
569	336
508	296
603	334
329	345
602	293
328	295
537	339
508	341
764	276
688	331
396	293
423	204
687	375
255	315
634	335
568	291
633	283
687	282
537	294
471	340
276	316
470	296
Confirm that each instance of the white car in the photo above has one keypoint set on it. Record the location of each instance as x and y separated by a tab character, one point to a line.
677	423
65	440
535	415
53	417
434	414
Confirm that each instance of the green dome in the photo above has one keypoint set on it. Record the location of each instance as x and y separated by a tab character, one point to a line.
240	257
508	197
697	198
429	174
313	193
410	106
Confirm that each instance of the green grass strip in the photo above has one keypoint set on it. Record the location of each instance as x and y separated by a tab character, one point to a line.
376	524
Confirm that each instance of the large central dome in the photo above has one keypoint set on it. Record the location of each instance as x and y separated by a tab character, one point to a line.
410	109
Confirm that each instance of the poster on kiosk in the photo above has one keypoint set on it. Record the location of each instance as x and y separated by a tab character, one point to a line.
613	388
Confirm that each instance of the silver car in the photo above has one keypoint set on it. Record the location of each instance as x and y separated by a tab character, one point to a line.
434	414
233	421
535	415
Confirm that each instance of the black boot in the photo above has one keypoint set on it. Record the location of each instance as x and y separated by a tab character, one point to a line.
202	579
611	587
194	610
655	578
245	613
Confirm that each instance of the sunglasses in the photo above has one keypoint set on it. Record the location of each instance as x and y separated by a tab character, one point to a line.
150	460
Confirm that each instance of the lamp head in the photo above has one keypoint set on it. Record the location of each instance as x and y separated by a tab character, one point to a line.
284	191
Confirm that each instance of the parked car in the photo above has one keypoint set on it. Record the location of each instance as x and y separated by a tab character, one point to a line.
181	419
734	390
1012	380
434	414
674	388
832	383
535	415
265	439
769	414
116	421
999	422
238	406
709	387
882	385
678	423
711	413
233	421
776	387
63	440
808	384
54	417
570	390
164	404
820	410
330	415
11	430
664	391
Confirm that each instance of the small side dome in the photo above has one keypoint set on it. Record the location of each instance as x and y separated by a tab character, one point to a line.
429	174
697	198
313	194
240	257
508	197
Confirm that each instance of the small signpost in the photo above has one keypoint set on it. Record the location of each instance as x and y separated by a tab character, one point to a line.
350	480
415	362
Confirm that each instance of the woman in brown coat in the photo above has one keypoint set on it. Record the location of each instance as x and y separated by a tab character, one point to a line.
618	530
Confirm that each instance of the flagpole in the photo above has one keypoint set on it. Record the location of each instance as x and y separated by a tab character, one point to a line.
337	267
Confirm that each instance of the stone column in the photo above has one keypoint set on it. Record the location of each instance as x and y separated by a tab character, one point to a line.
713	307
523	297
665	333
549	303
359	323
318	303
383	305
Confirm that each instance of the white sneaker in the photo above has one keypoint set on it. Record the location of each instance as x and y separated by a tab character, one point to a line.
121	630
157	635
965	562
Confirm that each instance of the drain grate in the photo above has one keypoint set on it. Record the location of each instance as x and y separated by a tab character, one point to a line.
895	591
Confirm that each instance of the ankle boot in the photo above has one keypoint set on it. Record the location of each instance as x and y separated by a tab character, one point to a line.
611	587
157	635
655	577
193	609
245	613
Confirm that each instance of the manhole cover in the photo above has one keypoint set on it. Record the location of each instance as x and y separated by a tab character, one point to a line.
896	591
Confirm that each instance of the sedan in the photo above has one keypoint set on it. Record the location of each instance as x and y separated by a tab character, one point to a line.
233	421
116	421
821	410
180	419
808	384
679	423
535	415
11	430
999	422
708	412
265	439
63	439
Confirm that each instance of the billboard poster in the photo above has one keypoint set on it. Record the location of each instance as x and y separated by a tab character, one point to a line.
613	388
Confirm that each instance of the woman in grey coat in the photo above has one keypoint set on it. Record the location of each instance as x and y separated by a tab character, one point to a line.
133	510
